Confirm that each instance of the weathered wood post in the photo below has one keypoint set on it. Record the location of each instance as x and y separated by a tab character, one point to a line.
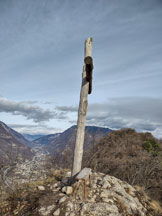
85	90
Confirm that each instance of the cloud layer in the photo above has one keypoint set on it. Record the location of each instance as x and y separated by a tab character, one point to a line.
34	129
143	114
41	59
33	112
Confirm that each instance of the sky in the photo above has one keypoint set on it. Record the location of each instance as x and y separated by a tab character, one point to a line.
41	61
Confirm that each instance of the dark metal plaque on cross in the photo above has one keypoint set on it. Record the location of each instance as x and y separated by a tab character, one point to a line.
89	68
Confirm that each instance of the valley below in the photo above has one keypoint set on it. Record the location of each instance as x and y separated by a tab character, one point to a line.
28	170
31	172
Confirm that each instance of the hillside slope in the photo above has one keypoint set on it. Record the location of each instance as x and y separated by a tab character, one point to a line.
47	139
32	137
12	145
61	146
130	156
106	196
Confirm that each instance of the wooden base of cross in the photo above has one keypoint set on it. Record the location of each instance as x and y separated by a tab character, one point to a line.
82	179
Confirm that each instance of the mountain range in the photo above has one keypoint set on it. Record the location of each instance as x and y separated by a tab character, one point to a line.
61	146
128	155
13	146
32	137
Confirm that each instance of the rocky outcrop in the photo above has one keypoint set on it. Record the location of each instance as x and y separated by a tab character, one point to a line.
107	196
130	156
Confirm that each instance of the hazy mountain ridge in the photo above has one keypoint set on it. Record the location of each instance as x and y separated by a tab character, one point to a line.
66	140
46	139
61	147
12	145
32	137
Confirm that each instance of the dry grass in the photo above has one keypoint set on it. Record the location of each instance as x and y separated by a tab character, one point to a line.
129	191
121	206
155	206
59	174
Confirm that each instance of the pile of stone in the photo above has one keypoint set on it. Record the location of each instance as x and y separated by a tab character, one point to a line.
107	196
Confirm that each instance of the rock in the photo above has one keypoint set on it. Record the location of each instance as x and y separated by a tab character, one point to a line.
111	197
64	180
68	174
106	185
54	186
63	189
57	212
94	186
104	194
42	210
93	199
63	199
110	201
70	206
61	194
55	190
46	210
50	208
68	190
41	188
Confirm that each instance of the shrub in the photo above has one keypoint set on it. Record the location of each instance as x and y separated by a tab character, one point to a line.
152	146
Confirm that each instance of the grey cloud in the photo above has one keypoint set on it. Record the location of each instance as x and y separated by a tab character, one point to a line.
137	112
35	129
67	108
61	115
142	114
35	113
30	102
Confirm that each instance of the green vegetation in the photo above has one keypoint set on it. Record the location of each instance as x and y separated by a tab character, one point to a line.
152	146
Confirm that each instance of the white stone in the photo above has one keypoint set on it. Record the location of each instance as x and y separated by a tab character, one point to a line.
93	199
46	210
69	190
110	201
63	199
61	194
54	186
41	188
70	205
57	212
68	174
104	194
63	189
94	186
106	185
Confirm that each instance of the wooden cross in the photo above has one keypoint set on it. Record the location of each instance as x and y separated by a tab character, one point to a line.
86	89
